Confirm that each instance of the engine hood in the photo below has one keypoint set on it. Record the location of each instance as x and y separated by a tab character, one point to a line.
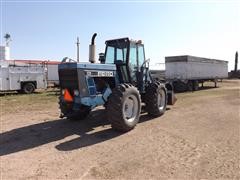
88	66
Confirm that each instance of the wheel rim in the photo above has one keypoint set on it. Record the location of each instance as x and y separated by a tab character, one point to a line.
130	108
161	99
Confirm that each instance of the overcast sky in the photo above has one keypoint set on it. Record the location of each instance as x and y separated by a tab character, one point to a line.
48	29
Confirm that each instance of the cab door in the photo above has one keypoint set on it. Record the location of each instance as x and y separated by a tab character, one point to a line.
133	64
136	63
142	69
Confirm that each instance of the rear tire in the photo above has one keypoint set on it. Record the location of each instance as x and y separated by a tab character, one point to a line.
124	107
156	99
28	88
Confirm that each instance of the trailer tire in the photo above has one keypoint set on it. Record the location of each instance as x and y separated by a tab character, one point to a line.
195	85
124	107
179	86
190	86
156	99
28	88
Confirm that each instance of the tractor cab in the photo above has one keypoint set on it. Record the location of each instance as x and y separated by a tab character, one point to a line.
129	57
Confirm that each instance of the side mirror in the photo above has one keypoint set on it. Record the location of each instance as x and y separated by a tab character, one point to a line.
102	58
146	62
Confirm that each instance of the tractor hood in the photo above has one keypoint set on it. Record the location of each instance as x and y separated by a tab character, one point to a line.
88	66
80	76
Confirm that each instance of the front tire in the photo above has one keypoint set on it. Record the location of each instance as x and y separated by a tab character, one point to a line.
124	107
156	99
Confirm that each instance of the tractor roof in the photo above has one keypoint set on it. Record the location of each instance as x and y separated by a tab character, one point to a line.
122	40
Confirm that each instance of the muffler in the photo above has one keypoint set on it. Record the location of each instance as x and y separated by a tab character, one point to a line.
92	49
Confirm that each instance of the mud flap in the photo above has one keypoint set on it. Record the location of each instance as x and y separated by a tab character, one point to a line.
170	94
171	97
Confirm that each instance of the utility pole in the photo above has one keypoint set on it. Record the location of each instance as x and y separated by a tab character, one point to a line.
236	61
77	49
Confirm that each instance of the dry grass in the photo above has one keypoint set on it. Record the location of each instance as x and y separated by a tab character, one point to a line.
13	102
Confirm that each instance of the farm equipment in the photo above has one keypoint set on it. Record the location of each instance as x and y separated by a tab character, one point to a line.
121	83
186	72
23	78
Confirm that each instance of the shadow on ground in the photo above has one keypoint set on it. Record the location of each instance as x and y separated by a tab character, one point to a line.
199	89
35	135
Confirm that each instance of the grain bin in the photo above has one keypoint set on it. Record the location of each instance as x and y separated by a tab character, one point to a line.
4	53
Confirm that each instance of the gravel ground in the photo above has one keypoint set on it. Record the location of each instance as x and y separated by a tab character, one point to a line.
197	138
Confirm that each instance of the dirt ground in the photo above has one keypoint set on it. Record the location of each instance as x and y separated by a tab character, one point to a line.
197	138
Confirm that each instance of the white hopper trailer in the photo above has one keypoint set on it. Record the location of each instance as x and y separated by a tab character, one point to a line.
186	72
22	78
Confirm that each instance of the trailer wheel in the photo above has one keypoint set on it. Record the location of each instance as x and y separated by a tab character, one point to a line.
66	110
28	88
190	86
179	86
156	99
124	107
195	85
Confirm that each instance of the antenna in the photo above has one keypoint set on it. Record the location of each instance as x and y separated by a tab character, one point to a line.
77	49
7	38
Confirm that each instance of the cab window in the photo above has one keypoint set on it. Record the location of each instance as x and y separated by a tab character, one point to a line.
133	62
141	57
133	56
115	54
110	55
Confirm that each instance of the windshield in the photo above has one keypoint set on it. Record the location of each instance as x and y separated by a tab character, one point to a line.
115	54
116	51
109	55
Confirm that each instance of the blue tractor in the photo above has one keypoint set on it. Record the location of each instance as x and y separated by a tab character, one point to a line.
121	83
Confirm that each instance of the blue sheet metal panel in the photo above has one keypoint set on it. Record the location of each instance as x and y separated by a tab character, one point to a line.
96	66
67	65
91	86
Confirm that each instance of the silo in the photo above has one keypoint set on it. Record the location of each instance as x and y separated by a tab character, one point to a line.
4	53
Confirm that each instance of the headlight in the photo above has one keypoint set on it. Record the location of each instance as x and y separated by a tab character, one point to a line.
76	92
63	91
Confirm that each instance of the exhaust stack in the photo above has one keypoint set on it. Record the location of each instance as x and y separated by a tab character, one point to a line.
92	49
